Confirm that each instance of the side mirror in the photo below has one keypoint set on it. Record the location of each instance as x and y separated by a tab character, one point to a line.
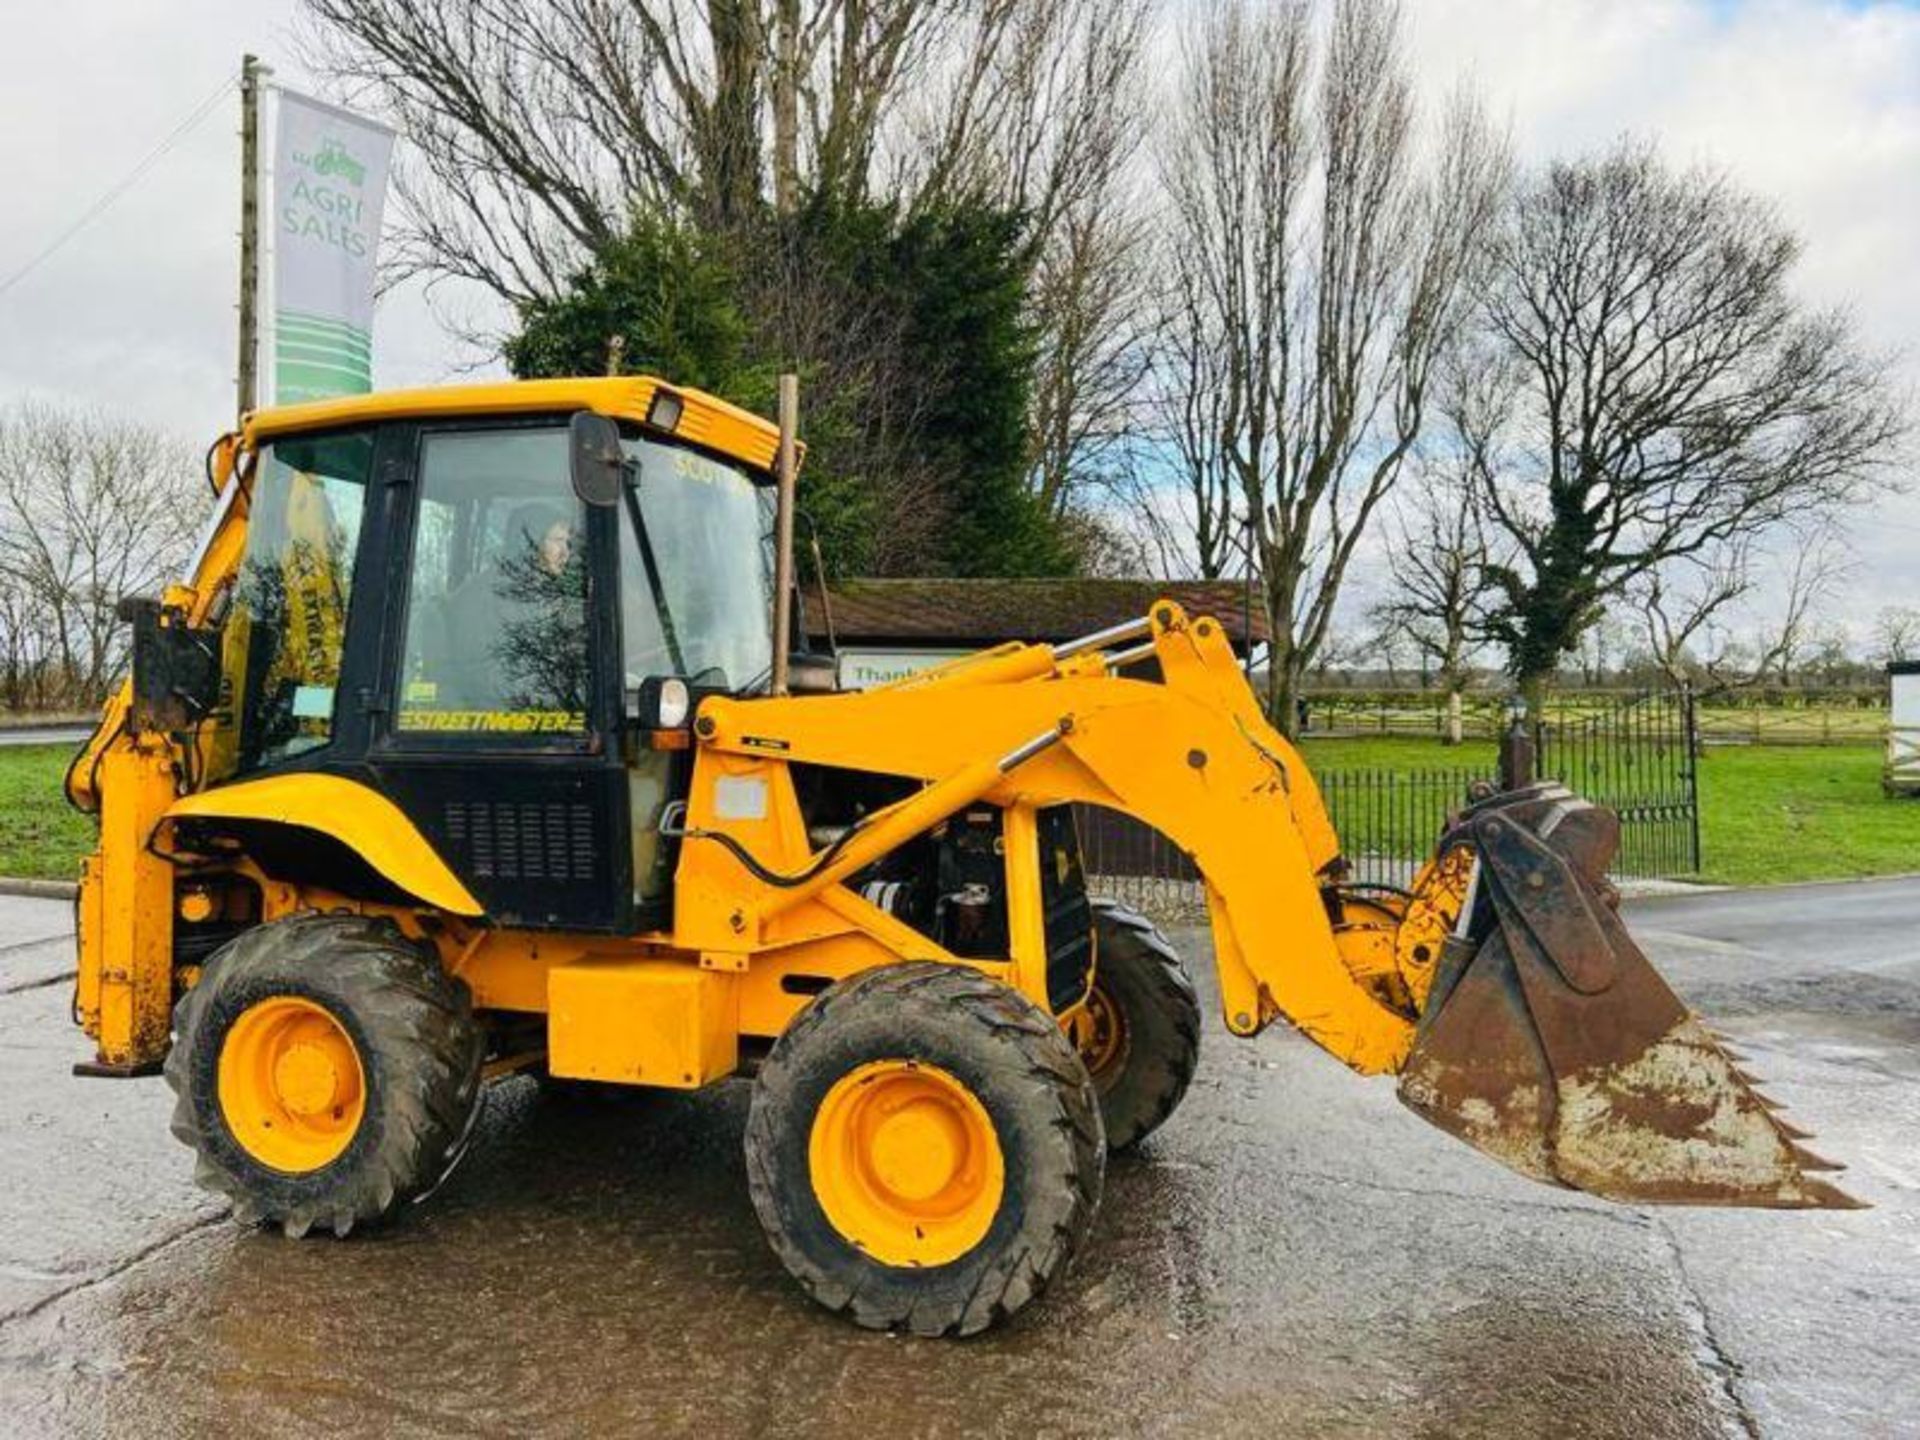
597	463
176	668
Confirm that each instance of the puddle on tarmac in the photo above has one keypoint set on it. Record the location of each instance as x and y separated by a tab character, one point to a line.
597	1269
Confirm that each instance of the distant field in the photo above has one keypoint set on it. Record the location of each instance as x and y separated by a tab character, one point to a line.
41	836
1769	814
1795	724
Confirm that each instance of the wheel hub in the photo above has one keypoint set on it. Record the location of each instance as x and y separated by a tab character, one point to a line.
291	1087
918	1150
306	1078
1100	1034
906	1163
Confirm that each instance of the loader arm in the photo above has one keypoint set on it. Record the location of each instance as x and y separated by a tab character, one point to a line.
1519	1015
1192	757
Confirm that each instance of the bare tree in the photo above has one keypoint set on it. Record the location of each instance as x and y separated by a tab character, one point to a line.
26	681
1042	110
539	129
1317	268
1896	634
90	512
1681	607
1688	608
1601	647
1668	399
1821	562
1438	561
536	127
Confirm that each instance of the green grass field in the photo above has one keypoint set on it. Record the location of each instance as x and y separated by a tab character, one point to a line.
41	836
1769	814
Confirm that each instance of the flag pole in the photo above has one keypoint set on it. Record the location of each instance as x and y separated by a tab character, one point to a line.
248	395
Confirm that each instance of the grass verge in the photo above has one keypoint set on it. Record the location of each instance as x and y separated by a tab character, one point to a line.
1770	815
41	836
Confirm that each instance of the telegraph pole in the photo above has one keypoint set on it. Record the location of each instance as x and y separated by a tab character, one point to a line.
785	463
248	395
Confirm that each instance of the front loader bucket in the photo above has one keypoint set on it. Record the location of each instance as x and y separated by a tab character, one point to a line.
1549	1042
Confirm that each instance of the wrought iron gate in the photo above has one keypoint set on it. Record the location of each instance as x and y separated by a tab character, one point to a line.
1637	756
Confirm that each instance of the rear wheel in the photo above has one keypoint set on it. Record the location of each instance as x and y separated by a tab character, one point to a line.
924	1149
327	1069
1139	1031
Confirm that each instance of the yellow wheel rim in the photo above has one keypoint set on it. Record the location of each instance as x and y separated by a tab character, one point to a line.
291	1088
905	1163
1099	1032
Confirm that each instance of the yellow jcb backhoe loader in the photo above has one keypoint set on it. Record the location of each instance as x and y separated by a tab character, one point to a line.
456	755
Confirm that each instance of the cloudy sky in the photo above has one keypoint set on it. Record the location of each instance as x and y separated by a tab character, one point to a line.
1814	102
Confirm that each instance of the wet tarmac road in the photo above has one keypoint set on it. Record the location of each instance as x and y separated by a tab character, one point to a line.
1294	1255
44	735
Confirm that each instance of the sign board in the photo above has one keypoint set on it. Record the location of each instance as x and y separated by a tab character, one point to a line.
329	189
1901	774
864	669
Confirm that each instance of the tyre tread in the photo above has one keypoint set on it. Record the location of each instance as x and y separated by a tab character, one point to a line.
405	1002
1038	1055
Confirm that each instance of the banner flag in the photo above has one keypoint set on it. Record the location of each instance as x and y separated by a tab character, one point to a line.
329	188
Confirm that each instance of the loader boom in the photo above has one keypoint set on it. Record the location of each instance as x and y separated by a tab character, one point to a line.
1186	756
1502	989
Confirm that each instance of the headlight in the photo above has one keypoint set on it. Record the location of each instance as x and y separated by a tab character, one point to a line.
663	413
672	704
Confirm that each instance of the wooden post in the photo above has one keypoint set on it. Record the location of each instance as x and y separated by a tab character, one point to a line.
783	532
249	385
1516	751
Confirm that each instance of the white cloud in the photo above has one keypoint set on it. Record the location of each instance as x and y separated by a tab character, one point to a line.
136	312
1813	103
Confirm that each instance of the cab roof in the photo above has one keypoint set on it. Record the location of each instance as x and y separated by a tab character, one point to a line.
705	420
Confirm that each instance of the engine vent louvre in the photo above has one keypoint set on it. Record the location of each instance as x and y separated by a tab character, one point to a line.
551	841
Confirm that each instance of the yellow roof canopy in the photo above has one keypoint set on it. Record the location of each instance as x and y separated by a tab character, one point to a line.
704	420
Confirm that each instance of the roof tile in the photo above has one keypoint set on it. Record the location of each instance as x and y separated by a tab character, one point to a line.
981	612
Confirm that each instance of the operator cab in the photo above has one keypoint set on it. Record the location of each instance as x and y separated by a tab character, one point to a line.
430	608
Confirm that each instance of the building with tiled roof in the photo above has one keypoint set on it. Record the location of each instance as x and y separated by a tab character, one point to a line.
884	628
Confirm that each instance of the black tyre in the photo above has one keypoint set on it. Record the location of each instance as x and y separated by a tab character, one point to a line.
1139	1033
924	1149
327	1070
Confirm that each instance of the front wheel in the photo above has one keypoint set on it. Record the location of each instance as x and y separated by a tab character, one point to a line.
327	1070
924	1149
1139	1030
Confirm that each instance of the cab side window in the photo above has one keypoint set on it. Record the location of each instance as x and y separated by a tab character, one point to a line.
496	631
286	629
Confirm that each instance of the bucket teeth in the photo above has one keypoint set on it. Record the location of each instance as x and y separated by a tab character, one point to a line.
1808	1160
1790	1130
1822	1196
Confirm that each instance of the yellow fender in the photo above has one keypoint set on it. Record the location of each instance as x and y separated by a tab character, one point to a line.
363	820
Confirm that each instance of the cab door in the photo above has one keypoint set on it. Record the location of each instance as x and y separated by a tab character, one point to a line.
498	718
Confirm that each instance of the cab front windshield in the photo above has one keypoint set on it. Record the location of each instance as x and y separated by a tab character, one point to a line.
696	569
